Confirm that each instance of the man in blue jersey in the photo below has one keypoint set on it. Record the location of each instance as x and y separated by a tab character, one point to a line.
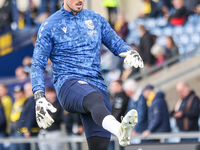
72	38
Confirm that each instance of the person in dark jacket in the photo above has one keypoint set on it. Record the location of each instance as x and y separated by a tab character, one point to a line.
179	14
120	99
53	131
191	5
164	6
150	9
158	112
27	122
144	48
121	27
138	102
187	114
2	124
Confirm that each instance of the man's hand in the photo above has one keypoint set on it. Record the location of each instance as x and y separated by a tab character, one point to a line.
145	133
178	114
132	58
43	119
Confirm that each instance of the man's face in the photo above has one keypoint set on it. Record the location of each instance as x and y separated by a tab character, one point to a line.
178	3
183	91
146	93
75	5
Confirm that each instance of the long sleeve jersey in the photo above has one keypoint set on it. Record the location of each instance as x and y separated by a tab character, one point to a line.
73	42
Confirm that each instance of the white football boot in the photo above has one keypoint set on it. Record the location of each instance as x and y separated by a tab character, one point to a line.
128	123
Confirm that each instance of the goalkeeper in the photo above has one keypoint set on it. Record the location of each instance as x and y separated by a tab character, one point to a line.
72	38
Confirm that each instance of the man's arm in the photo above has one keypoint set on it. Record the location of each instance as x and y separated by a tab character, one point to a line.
118	47
41	54
111	40
40	57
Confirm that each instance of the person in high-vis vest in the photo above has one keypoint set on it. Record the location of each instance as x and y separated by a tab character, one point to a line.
27	121
20	99
6	103
111	6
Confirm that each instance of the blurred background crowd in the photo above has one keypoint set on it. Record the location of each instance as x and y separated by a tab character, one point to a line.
166	33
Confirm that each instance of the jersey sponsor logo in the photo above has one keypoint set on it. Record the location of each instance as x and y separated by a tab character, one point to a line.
82	82
64	29
92	33
45	23
89	24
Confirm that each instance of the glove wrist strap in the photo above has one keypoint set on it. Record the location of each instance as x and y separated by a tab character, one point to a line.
38	95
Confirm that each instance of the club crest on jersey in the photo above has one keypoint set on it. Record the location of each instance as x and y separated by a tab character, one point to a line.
89	24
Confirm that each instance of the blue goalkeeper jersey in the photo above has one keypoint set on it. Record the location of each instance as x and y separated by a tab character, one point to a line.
73	43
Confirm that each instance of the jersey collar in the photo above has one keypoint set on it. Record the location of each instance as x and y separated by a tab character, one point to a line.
69	13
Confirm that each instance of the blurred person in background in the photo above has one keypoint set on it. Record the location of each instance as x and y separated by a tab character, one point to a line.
121	26
7	104
138	102
187	110
52	132
149	10
2	124
73	126
111	6
119	100
158	118
164	6
191	5
20	74
179	14
27	122
27	62
171	49
19	100
144	48
5	14
159	53
119	103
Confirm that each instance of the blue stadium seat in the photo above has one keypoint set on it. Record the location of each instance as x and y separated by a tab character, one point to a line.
132	25
182	50
157	31
193	18
195	38
150	23
178	30
168	31
161	21
184	39
189	28
161	40
190	47
197	27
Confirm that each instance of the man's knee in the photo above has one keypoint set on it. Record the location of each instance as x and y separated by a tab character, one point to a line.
91	100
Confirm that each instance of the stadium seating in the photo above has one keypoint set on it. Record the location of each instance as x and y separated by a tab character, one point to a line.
186	37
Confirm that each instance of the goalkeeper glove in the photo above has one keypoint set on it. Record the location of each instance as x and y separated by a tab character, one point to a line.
132	58
43	118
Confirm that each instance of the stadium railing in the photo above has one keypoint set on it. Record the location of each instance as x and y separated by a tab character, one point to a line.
162	137
166	64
